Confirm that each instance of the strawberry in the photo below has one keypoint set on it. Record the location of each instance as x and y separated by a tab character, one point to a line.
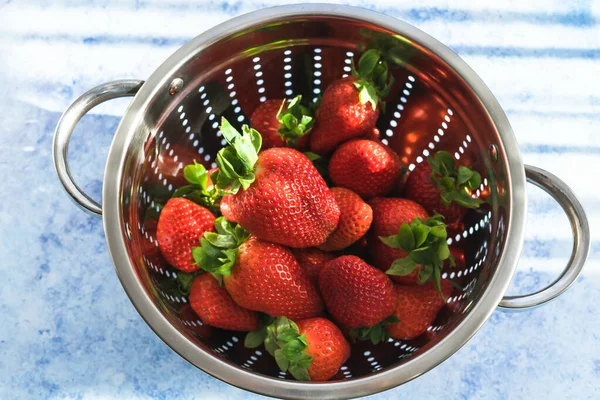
355	219
215	306
259	275
225	208
349	107
416	308
314	349
312	260
417	249
180	226
366	167
388	215
355	293
440	187
277	195
326	345
281	124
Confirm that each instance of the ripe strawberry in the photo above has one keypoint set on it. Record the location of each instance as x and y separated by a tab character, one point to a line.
417	248
312	260
277	195
355	293
264	119
180	226
366	167
281	124
440	187
259	275
326	345
349	107
225	208
388	216
314	349
355	219
416	308
215	306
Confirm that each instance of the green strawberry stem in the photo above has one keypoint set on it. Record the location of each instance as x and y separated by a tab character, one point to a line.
283	340
236	161
184	281
377	333
373	80
198	190
296	121
456	185
425	243
218	250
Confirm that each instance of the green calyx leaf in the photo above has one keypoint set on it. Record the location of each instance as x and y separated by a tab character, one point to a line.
373	78
296	121
218	250
283	341
184	281
425	243
456	185
198	190
375	334
236	161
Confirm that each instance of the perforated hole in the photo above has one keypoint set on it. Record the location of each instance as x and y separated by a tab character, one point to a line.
259	83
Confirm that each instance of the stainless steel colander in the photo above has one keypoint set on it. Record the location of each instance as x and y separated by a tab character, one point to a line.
437	103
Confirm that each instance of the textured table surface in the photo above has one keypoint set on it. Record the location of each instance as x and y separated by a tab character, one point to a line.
67	329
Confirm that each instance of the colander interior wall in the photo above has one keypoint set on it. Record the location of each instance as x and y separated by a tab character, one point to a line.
429	108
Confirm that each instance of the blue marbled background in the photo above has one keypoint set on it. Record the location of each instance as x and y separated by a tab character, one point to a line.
67	329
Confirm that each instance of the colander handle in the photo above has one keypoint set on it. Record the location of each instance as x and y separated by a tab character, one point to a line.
66	126
581	241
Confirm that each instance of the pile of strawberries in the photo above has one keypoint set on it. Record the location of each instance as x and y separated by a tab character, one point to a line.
305	267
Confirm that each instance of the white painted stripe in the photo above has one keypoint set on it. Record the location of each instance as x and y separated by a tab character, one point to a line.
555	266
185	23
555	130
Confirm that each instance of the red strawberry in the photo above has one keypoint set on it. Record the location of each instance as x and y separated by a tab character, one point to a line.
349	107
180	226
441	187
314	349
279	195
264	119
215	306
416	308
281	124
312	260
355	293
388	215
355	219
407	244
259	275
327	347
366	167
225	208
